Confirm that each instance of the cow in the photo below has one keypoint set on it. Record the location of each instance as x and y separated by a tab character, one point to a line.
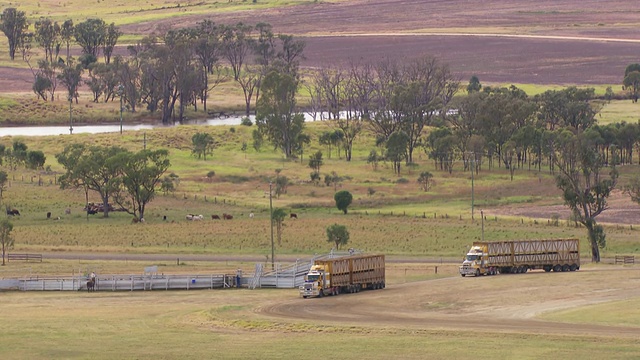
215	217
197	217
227	216
293	216
250	215
190	216
13	212
67	211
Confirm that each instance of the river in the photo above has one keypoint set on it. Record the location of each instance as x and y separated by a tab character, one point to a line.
96	129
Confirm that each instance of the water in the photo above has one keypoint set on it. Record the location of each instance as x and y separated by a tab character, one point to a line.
97	129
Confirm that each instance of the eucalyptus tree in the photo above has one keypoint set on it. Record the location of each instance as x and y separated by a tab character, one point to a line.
90	35
631	81
567	107
48	35
203	144
207	50
584	183
396	149
276	115
428	90
96	168
142	175
237	44
14	25
70	78
129	75
111	36
67	31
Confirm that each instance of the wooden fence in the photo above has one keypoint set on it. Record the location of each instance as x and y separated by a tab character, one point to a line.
24	257
625	259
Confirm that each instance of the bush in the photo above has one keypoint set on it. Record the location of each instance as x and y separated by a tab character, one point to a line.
246	121
402	181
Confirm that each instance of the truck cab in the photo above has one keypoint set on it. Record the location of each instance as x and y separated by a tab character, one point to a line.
315	282
475	262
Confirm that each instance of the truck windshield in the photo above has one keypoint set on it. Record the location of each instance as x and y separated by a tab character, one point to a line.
472	257
312	277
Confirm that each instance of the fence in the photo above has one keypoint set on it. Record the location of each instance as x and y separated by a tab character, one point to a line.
625	259
125	282
24	257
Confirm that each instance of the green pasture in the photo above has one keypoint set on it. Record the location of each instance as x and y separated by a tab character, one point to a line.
124	12
618	111
387	215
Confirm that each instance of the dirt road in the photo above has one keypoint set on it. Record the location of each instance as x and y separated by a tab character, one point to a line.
504	303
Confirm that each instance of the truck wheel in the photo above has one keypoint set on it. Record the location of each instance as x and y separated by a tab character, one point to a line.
573	267
557	268
477	272
304	296
565	268
463	275
547	268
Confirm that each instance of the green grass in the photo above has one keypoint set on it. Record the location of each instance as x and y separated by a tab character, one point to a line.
195	325
625	312
618	111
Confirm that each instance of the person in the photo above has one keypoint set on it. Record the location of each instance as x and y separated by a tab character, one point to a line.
93	277
238	278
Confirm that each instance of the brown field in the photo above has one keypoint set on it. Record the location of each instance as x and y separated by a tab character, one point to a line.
572	42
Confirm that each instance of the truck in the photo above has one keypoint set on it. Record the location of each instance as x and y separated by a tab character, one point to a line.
347	274
520	256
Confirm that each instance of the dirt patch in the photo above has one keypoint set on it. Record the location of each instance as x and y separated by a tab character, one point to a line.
449	304
621	210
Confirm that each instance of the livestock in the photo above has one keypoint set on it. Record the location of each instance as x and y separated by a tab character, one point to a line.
227	216
49	215
215	217
193	217
190	216
67	211
293	216
13	212
91	285
250	215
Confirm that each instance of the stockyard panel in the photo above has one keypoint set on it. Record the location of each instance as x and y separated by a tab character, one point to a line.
127	283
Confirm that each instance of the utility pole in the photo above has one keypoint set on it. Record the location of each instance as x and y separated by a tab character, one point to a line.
70	115
120	92
271	219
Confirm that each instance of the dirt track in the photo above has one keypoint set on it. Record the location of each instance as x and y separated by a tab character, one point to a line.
509	303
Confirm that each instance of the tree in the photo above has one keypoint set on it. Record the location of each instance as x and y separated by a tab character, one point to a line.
425	180
141	175
4	178
631	80
47	34
276	117
474	85
36	159
397	149
6	240
337	234
282	182
584	188
278	217
90	35
315	161
332	179
96	168
13	24
343	199
112	34
203	144
373	159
